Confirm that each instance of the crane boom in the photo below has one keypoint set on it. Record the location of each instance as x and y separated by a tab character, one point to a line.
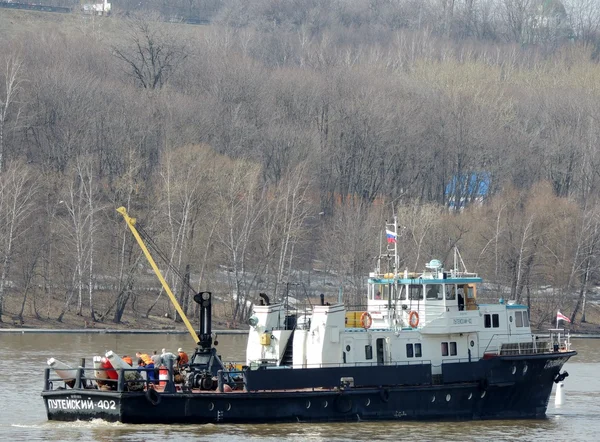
131	223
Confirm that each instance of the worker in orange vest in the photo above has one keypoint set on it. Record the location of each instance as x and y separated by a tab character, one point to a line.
145	362
182	358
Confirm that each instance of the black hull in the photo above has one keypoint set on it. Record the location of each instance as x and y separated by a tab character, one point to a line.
516	387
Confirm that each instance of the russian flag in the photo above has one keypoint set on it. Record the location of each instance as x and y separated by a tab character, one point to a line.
560	316
391	236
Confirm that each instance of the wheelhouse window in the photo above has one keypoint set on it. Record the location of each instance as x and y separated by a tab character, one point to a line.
409	351
450	292
495	320
415	292
487	319
444	349
401	293
434	291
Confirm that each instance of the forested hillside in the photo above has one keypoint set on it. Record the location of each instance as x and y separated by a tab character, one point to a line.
266	150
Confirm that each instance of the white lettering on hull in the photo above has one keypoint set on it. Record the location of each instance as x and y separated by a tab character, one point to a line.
81	404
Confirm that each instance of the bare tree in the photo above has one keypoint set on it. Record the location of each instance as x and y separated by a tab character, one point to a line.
151	53
9	91
18	188
79	199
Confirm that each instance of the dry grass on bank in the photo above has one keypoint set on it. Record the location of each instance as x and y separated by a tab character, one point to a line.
49	310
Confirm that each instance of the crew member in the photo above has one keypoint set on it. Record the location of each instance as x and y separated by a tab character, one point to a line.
145	362
128	360
182	358
157	361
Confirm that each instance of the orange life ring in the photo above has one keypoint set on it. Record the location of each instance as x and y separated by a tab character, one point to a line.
413	319
366	320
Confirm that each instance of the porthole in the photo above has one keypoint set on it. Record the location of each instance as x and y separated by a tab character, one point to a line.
525	368
211	406
325	404
347	348
483	394
448	397
514	369
472	343
470	396
307	405
510	318
228	407
433	398
367	402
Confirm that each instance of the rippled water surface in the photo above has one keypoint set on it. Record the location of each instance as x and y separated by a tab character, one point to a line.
23	417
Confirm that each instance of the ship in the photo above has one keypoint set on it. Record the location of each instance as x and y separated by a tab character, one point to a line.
423	348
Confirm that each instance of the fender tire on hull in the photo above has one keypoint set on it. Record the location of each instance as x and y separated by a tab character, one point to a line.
384	394
152	396
343	404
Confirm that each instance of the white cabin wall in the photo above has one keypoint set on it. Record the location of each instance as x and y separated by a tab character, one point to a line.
270	318
324	344
300	339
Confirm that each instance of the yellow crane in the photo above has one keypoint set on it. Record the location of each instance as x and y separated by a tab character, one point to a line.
131	223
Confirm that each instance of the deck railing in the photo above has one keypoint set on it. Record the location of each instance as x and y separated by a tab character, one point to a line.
88	381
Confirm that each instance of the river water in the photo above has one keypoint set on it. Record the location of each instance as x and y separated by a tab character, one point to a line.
23	416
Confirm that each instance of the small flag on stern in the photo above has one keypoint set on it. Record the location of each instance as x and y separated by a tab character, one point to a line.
561	317
391	236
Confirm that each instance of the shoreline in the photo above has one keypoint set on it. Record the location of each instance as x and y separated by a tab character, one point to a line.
184	332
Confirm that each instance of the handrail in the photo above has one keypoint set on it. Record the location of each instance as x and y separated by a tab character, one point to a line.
131	223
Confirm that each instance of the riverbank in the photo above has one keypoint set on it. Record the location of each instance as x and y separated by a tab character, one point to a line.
183	332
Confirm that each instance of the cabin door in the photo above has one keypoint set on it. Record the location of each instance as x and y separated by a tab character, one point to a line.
472	347
348	351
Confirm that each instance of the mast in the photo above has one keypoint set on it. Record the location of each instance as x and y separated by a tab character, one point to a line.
392	246
131	223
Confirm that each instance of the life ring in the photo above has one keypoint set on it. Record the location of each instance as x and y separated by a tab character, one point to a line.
413	319
152	396
365	320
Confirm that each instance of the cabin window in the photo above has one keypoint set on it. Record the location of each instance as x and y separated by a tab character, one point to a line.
452	348
415	292
495	320
434	291
444	349
519	319
413	350
491	320
368	352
